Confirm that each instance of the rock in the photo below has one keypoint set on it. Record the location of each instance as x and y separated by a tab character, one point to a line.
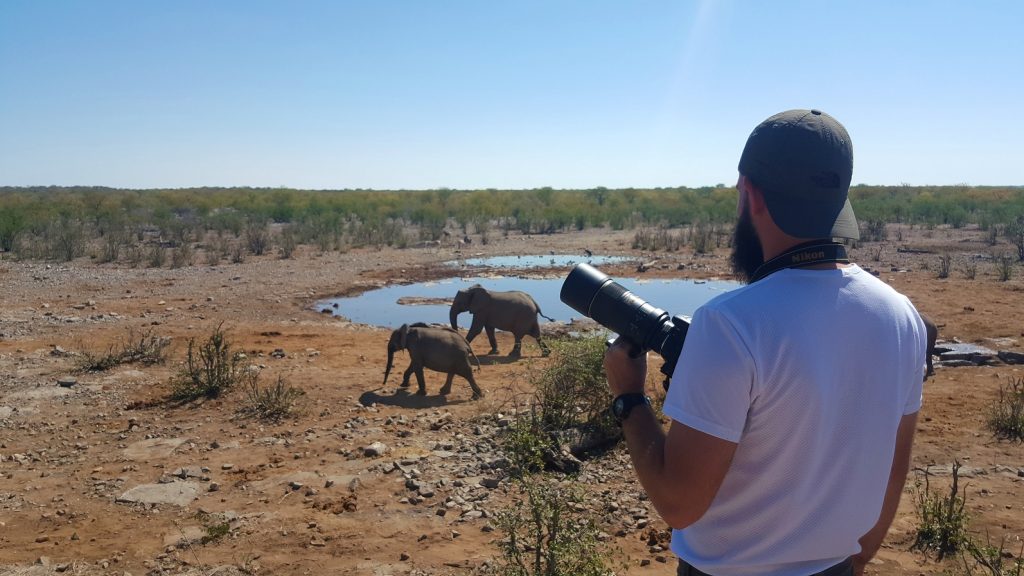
403	556
153	449
67	381
175	493
491	483
962	351
375	449
1010	357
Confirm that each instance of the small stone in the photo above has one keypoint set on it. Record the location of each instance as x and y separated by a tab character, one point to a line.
403	556
40	539
67	381
375	449
214	487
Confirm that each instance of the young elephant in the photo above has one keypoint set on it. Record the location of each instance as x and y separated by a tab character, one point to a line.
437	348
514	312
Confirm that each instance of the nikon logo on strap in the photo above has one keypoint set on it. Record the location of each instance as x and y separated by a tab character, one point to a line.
806	256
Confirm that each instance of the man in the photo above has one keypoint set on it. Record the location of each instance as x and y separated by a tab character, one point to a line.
794	401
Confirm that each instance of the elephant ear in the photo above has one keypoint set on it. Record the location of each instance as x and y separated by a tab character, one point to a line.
403	336
478	298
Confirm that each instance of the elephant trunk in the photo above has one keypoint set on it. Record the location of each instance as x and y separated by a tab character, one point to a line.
453	317
391	357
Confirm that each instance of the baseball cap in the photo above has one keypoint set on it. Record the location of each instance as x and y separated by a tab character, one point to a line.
803	162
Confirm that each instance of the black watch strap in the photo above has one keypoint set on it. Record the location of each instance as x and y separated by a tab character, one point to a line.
624	404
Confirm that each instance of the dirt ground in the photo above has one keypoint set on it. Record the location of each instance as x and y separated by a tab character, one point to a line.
302	496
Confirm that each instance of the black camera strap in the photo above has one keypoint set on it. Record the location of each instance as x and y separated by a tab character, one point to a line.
806	254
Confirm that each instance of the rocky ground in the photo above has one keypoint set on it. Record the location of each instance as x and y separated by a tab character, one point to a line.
98	477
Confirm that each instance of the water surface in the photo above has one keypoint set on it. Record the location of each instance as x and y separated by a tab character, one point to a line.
381	307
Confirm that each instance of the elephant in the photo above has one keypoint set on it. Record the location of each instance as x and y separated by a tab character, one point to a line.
436	347
514	312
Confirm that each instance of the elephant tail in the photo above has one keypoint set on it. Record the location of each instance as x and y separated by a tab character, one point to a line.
541	314
475	359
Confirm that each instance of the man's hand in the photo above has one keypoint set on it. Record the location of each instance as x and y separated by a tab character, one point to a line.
626	374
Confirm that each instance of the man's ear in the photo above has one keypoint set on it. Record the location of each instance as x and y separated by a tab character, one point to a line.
755	197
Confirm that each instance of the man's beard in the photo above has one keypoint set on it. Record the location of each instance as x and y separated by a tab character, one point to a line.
747	255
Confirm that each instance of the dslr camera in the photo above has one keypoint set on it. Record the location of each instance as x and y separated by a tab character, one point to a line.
593	294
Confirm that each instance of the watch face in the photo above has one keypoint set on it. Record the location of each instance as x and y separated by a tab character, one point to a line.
618	407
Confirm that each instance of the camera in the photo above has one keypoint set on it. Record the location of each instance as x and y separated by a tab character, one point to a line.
592	293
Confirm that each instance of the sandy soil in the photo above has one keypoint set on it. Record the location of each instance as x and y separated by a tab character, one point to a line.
301	496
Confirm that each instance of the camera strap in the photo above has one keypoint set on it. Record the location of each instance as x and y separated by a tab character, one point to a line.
806	254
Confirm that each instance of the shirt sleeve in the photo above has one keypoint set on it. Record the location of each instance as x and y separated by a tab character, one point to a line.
712	387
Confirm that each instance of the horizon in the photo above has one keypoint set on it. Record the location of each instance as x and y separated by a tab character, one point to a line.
573	96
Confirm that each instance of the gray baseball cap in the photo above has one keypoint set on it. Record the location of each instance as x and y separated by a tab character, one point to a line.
803	162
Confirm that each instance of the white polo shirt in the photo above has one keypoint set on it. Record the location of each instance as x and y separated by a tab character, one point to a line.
809	372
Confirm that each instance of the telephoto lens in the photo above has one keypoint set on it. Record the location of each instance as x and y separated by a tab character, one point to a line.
592	293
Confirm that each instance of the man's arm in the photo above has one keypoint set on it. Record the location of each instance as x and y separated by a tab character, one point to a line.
872	541
681	471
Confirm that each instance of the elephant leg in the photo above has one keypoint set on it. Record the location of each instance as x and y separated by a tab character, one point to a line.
544	349
422	391
492	340
474	329
405	377
535	332
448	383
517	349
477	392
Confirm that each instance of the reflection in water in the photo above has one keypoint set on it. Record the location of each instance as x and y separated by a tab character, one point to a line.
430	301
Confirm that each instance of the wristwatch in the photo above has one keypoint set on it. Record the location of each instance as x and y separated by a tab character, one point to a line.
624	404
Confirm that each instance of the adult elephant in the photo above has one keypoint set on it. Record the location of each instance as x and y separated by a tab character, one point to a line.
513	311
932	333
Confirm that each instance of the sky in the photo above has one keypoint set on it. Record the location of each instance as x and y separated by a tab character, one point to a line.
480	94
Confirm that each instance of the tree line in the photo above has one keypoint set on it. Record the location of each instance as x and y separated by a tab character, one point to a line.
328	217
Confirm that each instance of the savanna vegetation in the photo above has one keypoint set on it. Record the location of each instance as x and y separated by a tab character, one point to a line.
160	227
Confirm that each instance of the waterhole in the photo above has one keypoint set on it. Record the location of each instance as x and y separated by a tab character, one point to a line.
393	306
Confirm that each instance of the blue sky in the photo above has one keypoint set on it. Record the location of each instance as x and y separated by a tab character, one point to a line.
481	94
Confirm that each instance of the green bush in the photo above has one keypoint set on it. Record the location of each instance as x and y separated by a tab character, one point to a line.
942	526
547	536
274	402
1004	267
993	560
945	265
571	396
1006	414
210	369
144	348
